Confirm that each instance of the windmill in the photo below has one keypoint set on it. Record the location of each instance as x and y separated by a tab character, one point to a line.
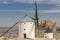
35	19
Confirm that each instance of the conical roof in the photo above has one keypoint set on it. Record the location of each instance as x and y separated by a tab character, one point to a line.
48	30
27	19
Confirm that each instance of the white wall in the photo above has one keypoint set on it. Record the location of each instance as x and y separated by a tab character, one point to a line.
48	35
29	29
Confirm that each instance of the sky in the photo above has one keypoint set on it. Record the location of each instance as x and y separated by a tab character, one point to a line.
12	11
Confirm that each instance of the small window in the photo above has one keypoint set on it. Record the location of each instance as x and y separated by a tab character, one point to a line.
30	23
24	29
24	23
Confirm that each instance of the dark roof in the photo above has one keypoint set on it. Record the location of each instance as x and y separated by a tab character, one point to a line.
48	30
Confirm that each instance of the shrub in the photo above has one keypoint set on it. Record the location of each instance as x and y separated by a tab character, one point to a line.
5	38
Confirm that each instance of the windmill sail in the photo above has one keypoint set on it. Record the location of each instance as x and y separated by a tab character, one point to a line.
9	29
36	17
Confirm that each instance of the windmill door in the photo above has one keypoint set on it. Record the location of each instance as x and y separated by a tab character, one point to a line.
24	35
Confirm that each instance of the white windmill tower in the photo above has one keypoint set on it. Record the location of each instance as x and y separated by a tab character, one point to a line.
27	28
48	33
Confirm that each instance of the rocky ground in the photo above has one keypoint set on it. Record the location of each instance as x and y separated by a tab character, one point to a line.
14	34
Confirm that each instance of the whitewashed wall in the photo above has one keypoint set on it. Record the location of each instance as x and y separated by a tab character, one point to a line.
29	29
48	35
